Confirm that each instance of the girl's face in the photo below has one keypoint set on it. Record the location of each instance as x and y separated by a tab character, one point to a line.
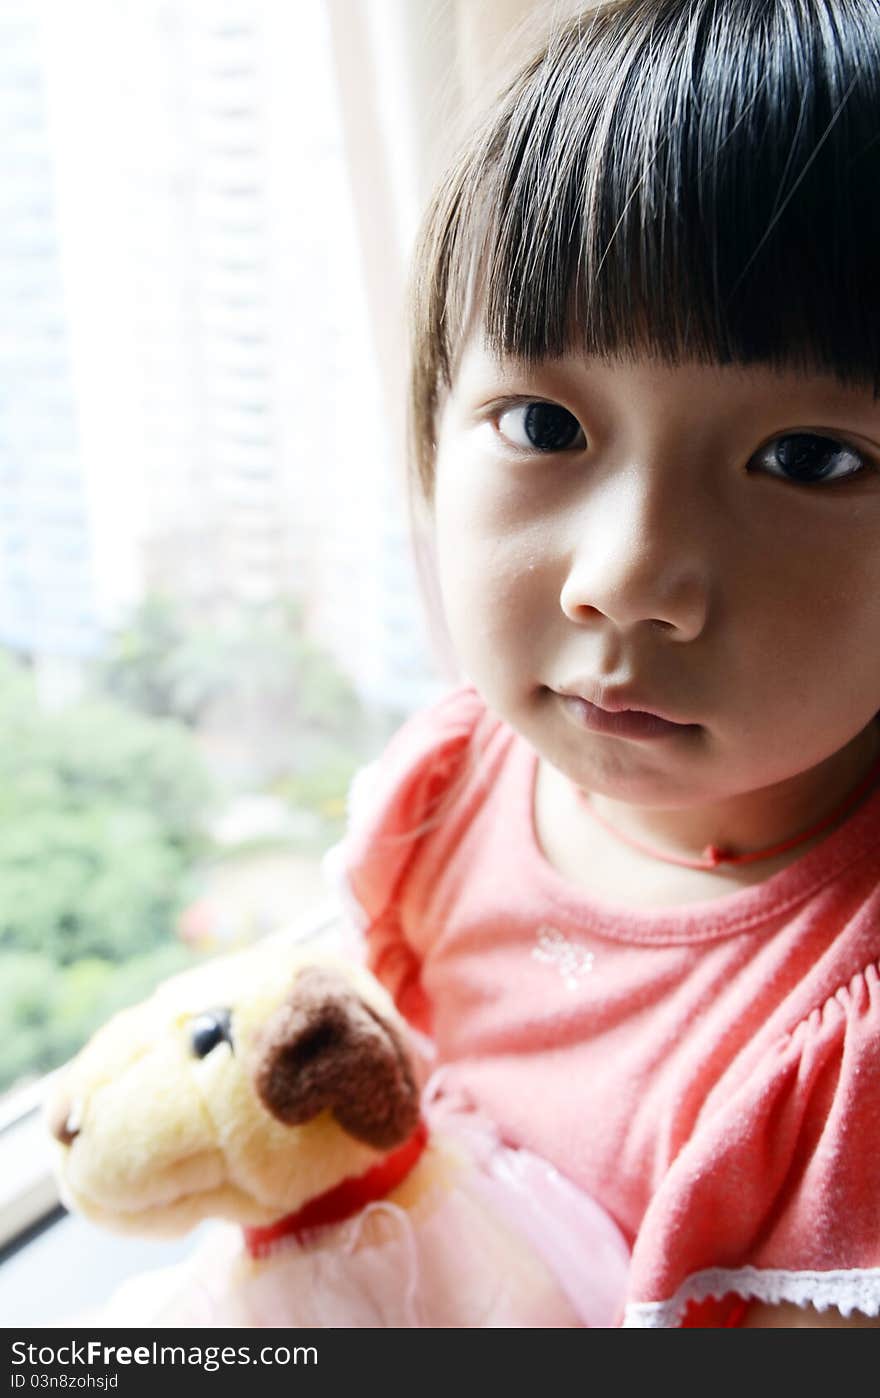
704	541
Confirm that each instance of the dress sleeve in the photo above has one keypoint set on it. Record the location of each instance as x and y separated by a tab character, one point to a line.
775	1196
393	805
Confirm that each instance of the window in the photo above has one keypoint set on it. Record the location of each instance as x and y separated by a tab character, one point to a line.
160	630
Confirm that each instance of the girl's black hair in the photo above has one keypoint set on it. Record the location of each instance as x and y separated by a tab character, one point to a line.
699	179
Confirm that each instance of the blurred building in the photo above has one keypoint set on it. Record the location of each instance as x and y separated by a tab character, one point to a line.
47	598
208	210
234	443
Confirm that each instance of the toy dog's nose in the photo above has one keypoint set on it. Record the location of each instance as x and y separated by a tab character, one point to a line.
64	1120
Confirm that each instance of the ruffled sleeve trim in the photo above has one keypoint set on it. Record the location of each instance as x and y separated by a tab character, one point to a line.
774	1196
393	805
857	1289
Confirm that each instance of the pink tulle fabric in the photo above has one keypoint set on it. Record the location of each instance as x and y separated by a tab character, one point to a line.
499	1239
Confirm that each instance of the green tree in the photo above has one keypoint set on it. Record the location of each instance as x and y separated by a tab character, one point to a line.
47	1011
139	665
254	658
101	812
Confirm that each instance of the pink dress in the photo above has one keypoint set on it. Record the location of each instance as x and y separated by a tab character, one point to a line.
710	1075
492	1238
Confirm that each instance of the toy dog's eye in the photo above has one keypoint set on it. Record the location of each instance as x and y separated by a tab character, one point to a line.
210	1029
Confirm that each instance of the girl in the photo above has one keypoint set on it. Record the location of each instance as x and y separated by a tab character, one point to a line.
626	875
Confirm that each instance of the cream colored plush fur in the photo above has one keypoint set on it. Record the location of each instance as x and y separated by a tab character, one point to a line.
165	1139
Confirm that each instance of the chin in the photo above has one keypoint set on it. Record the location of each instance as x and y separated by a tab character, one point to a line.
621	771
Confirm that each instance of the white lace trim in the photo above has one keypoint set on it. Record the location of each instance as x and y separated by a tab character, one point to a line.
855	1290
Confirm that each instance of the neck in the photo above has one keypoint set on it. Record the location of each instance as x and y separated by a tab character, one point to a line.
754	820
343	1201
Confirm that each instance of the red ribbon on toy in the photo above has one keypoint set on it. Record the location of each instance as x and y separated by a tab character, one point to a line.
344	1199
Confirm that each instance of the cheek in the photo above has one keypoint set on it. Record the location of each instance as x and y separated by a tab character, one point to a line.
495	576
488	524
799	635
823	596
484	562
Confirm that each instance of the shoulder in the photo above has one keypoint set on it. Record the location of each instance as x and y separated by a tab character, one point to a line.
395	806
430	747
399	799
428	752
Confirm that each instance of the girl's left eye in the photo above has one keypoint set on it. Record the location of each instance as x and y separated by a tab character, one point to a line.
805	458
540	426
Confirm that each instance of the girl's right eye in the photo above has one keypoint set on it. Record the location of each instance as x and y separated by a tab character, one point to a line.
540	426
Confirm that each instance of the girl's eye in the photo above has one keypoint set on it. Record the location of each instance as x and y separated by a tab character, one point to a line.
540	426
807	459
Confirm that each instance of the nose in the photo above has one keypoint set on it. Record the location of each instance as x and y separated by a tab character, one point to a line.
640	553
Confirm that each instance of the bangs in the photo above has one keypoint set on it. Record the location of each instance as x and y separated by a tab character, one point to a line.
693	179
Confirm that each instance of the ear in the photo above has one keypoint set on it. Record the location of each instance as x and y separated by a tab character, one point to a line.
61	1117
324	1047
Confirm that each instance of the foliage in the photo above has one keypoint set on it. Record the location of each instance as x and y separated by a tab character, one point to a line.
101	811
47	1011
319	784
269	705
139	666
165	663
102	804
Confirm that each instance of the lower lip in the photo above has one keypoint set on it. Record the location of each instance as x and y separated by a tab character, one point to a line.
629	723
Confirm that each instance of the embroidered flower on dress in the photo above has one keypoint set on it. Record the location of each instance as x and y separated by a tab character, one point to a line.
570	960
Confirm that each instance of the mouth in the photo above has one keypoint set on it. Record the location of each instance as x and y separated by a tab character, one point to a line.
619	713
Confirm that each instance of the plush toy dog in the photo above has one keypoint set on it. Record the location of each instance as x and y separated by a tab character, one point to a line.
277	1089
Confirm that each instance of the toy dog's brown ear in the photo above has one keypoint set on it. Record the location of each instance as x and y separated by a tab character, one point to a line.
324	1047
61	1117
